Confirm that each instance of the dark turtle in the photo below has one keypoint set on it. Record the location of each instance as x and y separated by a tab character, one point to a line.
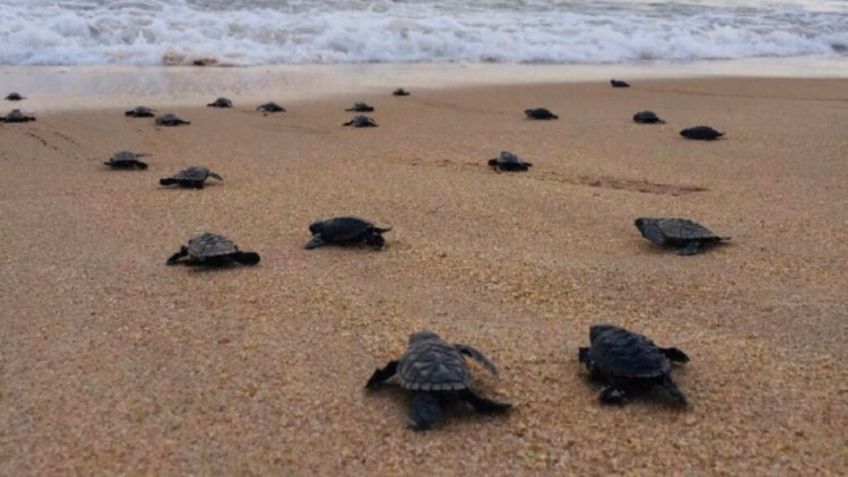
540	113
690	237
647	117
400	92
126	160
140	112
346	231
619	84
271	108
361	122
194	176
221	103
508	161
170	120
16	116
629	363
212	250
703	133
361	108
437	374
14	96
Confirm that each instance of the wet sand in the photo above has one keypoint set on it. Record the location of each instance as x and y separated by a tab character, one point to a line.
113	363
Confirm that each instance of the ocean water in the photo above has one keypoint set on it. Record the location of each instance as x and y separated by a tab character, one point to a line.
252	32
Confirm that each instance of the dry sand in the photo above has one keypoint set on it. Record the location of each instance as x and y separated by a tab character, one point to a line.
113	363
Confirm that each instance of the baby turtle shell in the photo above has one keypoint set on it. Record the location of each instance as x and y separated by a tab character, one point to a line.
169	119
140	112
212	250
400	92
629	363
437	374
194	177
221	103
361	108
16	116
540	113
688	236
647	117
346	231
508	161
271	108
619	84
702	133
361	122
126	160
14	96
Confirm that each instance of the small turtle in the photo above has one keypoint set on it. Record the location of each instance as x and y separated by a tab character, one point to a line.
212	250
361	121
140	112
346	231
170	120
14	96
703	133
540	113
271	108
508	161
400	92
619	84
647	117
629	363
126	160
437	374
194	176
16	116
690	237
361	108
221	103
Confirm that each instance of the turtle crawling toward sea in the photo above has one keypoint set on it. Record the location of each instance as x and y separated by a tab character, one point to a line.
361	108
221	103
212	250
194	177
346	231
629	363
684	234
703	133
508	161
169	119
400	92
540	113
619	84
16	116
140	112
271	108
14	96
437	374
126	160
647	117
361	121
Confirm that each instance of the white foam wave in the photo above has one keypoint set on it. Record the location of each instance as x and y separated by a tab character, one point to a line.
150	32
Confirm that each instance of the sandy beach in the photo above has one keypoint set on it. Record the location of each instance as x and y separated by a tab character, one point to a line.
112	363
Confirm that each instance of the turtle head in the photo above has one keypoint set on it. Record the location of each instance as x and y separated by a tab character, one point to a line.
422	336
597	330
316	228
641	222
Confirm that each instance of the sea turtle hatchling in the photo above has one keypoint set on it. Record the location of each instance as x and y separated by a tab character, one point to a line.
194	177
212	250
688	236
619	84
16	116
346	231
361	121
437	374
221	103
14	96
361	108
508	161
271	108
400	92
703	133
540	113
126	160
629	363
169	119
647	117
140	112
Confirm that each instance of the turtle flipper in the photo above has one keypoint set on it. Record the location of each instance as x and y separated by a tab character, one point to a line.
317	241
141	165
215	176
668	385
482	404
675	355
246	258
583	355
692	248
611	395
382	374
166	181
425	411
478	356
174	259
